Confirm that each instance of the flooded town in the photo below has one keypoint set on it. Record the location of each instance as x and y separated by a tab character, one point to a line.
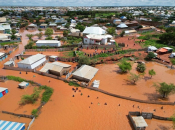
87	67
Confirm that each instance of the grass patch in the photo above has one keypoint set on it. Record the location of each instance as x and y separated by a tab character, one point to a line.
79	53
71	83
26	99
7	43
35	112
18	79
69	54
103	15
47	94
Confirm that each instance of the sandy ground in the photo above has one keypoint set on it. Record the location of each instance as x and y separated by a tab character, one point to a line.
80	112
10	102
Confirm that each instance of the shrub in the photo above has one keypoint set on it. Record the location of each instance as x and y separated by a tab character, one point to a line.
83	60
30	98
18	79
125	66
133	78
22	58
71	83
150	56
35	112
141	67
152	72
47	94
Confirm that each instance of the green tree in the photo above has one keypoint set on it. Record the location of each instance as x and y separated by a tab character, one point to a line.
49	32
111	31
40	29
13	37
151	72
141	67
13	31
29	36
39	35
134	78
65	33
172	62
83	60
48	38
80	27
150	56
124	66
165	89
122	33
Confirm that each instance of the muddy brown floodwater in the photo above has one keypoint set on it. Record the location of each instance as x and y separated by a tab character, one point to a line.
66	112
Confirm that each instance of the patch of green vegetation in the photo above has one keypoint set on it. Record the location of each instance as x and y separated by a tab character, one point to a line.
156	43
47	94
73	40
103	15
35	112
7	43
18	79
69	54
71	83
79	53
148	32
30	98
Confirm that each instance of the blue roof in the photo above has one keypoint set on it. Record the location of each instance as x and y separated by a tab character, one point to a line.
8	125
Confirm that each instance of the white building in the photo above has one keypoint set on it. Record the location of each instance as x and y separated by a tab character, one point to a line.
94	30
85	73
51	43
96	39
32	61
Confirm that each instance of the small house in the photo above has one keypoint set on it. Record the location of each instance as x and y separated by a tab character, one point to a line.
56	68
53	58
172	55
23	85
122	26
96	83
9	63
3	91
43	26
32	62
3	56
85	73
50	43
32	26
53	26
152	48
140	123
8	125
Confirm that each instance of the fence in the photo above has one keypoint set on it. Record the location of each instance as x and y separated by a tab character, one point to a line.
21	115
131	99
69	74
18	69
99	46
49	50
31	123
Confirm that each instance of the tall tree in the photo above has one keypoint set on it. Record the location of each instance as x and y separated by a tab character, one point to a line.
165	89
49	32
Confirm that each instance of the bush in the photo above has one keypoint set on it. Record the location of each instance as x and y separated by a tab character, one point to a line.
83	60
71	83
125	66
22	58
141	67
150	56
18	79
47	94
35	112
30	98
133	78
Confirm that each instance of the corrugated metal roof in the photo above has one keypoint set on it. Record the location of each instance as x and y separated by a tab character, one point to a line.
122	25
1	54
8	125
55	66
94	30
139	121
86	71
2	89
47	41
23	83
32	59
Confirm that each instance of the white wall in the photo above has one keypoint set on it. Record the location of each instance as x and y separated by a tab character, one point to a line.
104	41
34	65
86	40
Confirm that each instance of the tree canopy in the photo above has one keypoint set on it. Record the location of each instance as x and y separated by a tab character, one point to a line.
83	60
151	72
165	89
49	32
141	67
134	78
150	56
111	31
125	66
